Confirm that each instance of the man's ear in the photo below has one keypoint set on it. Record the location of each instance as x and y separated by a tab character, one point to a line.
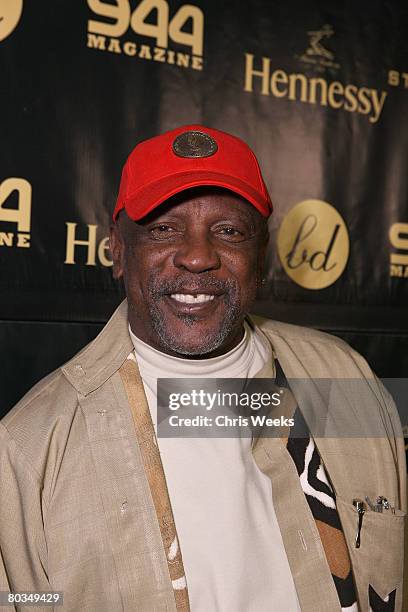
117	249
261	271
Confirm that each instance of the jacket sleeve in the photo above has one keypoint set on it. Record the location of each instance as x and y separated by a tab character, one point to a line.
392	424
23	552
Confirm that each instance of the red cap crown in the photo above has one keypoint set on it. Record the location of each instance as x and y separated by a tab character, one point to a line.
189	156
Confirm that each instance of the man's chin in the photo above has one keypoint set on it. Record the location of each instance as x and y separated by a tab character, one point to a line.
194	331
188	335
196	340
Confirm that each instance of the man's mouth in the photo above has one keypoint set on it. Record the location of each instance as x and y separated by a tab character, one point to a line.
201	302
189	298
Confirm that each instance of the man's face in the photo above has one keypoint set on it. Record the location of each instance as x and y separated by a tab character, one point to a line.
191	269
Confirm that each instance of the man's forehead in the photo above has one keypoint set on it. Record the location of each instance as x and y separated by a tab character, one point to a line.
213	201
210	199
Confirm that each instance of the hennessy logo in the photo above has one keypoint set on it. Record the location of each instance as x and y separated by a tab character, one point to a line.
10	13
262	76
313	244
316	47
316	53
16	215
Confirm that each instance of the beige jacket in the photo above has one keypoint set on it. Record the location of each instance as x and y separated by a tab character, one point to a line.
76	512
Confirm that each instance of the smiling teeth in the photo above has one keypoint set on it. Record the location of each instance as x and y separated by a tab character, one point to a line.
192	299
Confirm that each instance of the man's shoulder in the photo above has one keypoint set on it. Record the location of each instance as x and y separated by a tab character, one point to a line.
57	393
51	399
27	429
298	333
50	407
318	353
308	353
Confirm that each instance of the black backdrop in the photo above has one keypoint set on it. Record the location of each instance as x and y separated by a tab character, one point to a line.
318	89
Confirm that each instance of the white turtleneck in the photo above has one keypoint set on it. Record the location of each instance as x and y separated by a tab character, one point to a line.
232	548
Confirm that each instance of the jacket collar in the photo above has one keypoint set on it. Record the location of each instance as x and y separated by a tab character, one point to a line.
100	359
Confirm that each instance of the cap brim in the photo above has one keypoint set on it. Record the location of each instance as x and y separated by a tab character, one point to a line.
151	196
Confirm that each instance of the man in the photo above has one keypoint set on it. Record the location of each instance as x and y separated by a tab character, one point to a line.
94	504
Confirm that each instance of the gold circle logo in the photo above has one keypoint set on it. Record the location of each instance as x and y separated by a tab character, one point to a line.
313	244
10	13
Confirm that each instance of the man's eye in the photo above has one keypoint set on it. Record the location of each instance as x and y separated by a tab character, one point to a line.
161	229
230	232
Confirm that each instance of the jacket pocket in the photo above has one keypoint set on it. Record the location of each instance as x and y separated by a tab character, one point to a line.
378	562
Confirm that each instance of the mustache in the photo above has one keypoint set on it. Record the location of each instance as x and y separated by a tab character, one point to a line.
160	287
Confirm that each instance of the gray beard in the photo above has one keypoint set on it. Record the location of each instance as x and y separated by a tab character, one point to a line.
212	340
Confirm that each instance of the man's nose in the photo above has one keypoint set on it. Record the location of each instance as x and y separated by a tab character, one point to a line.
197	254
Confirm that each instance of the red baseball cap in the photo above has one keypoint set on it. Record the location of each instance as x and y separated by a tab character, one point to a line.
189	156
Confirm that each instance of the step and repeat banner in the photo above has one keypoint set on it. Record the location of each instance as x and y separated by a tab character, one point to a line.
318	89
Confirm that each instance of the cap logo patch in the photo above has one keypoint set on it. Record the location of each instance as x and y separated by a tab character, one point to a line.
194	144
